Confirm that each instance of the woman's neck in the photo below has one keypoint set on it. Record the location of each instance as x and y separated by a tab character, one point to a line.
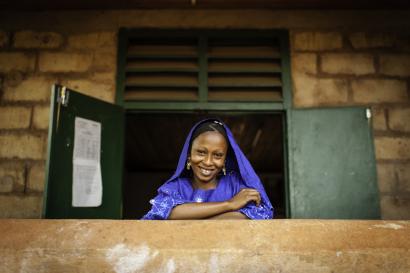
204	185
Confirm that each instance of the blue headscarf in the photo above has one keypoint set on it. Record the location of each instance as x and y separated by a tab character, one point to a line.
250	178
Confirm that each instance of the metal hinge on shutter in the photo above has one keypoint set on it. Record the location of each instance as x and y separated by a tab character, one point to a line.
62	96
62	99
368	113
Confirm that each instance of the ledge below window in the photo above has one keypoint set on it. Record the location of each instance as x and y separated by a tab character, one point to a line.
204	246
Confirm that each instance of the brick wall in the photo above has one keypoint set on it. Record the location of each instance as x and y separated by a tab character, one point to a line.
339	58
349	68
30	62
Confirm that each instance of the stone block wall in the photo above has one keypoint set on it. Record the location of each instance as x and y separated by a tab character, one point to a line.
30	62
372	69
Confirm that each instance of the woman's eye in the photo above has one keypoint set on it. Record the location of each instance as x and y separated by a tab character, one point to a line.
219	155
201	152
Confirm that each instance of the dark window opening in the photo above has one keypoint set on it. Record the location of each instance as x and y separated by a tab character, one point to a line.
153	142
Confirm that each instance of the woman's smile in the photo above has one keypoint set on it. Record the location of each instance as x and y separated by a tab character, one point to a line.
205	172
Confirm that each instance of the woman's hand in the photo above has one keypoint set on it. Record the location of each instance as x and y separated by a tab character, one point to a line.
244	197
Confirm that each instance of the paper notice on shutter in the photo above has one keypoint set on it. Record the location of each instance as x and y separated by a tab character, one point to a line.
87	180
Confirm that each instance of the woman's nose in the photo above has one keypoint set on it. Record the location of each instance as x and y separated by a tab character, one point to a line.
208	160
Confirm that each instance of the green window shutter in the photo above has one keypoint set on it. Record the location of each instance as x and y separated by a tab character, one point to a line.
332	164
59	170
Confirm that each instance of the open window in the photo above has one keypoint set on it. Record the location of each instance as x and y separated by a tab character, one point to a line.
154	142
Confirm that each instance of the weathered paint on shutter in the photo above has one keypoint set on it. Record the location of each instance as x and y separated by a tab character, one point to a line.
332	164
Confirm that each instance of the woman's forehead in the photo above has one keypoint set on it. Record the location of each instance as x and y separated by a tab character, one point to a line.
210	138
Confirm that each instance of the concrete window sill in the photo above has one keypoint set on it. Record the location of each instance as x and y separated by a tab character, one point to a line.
204	246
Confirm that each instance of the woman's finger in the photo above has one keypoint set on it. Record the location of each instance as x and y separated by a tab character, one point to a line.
251	191
255	196
255	193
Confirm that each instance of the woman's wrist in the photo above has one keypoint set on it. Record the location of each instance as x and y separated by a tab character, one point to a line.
229	215
229	206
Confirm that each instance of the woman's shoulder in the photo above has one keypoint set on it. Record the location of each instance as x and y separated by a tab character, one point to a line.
174	185
234	175
234	179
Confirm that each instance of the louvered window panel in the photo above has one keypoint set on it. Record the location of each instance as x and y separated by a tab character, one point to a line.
203	67
161	70
244	69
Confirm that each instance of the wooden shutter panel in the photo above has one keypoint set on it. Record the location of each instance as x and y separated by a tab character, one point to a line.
333	167
161	69
204	66
244	69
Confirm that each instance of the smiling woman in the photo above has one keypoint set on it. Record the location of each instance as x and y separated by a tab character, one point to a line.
208	154
213	180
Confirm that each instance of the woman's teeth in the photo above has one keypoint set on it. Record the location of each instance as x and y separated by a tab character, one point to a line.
205	172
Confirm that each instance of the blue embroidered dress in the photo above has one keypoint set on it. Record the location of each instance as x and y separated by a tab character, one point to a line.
240	174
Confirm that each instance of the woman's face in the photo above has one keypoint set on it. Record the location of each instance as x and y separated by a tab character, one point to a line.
208	154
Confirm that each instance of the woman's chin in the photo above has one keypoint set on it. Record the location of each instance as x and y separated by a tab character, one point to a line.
205	179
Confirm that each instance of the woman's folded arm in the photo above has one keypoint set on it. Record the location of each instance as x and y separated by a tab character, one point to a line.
199	210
